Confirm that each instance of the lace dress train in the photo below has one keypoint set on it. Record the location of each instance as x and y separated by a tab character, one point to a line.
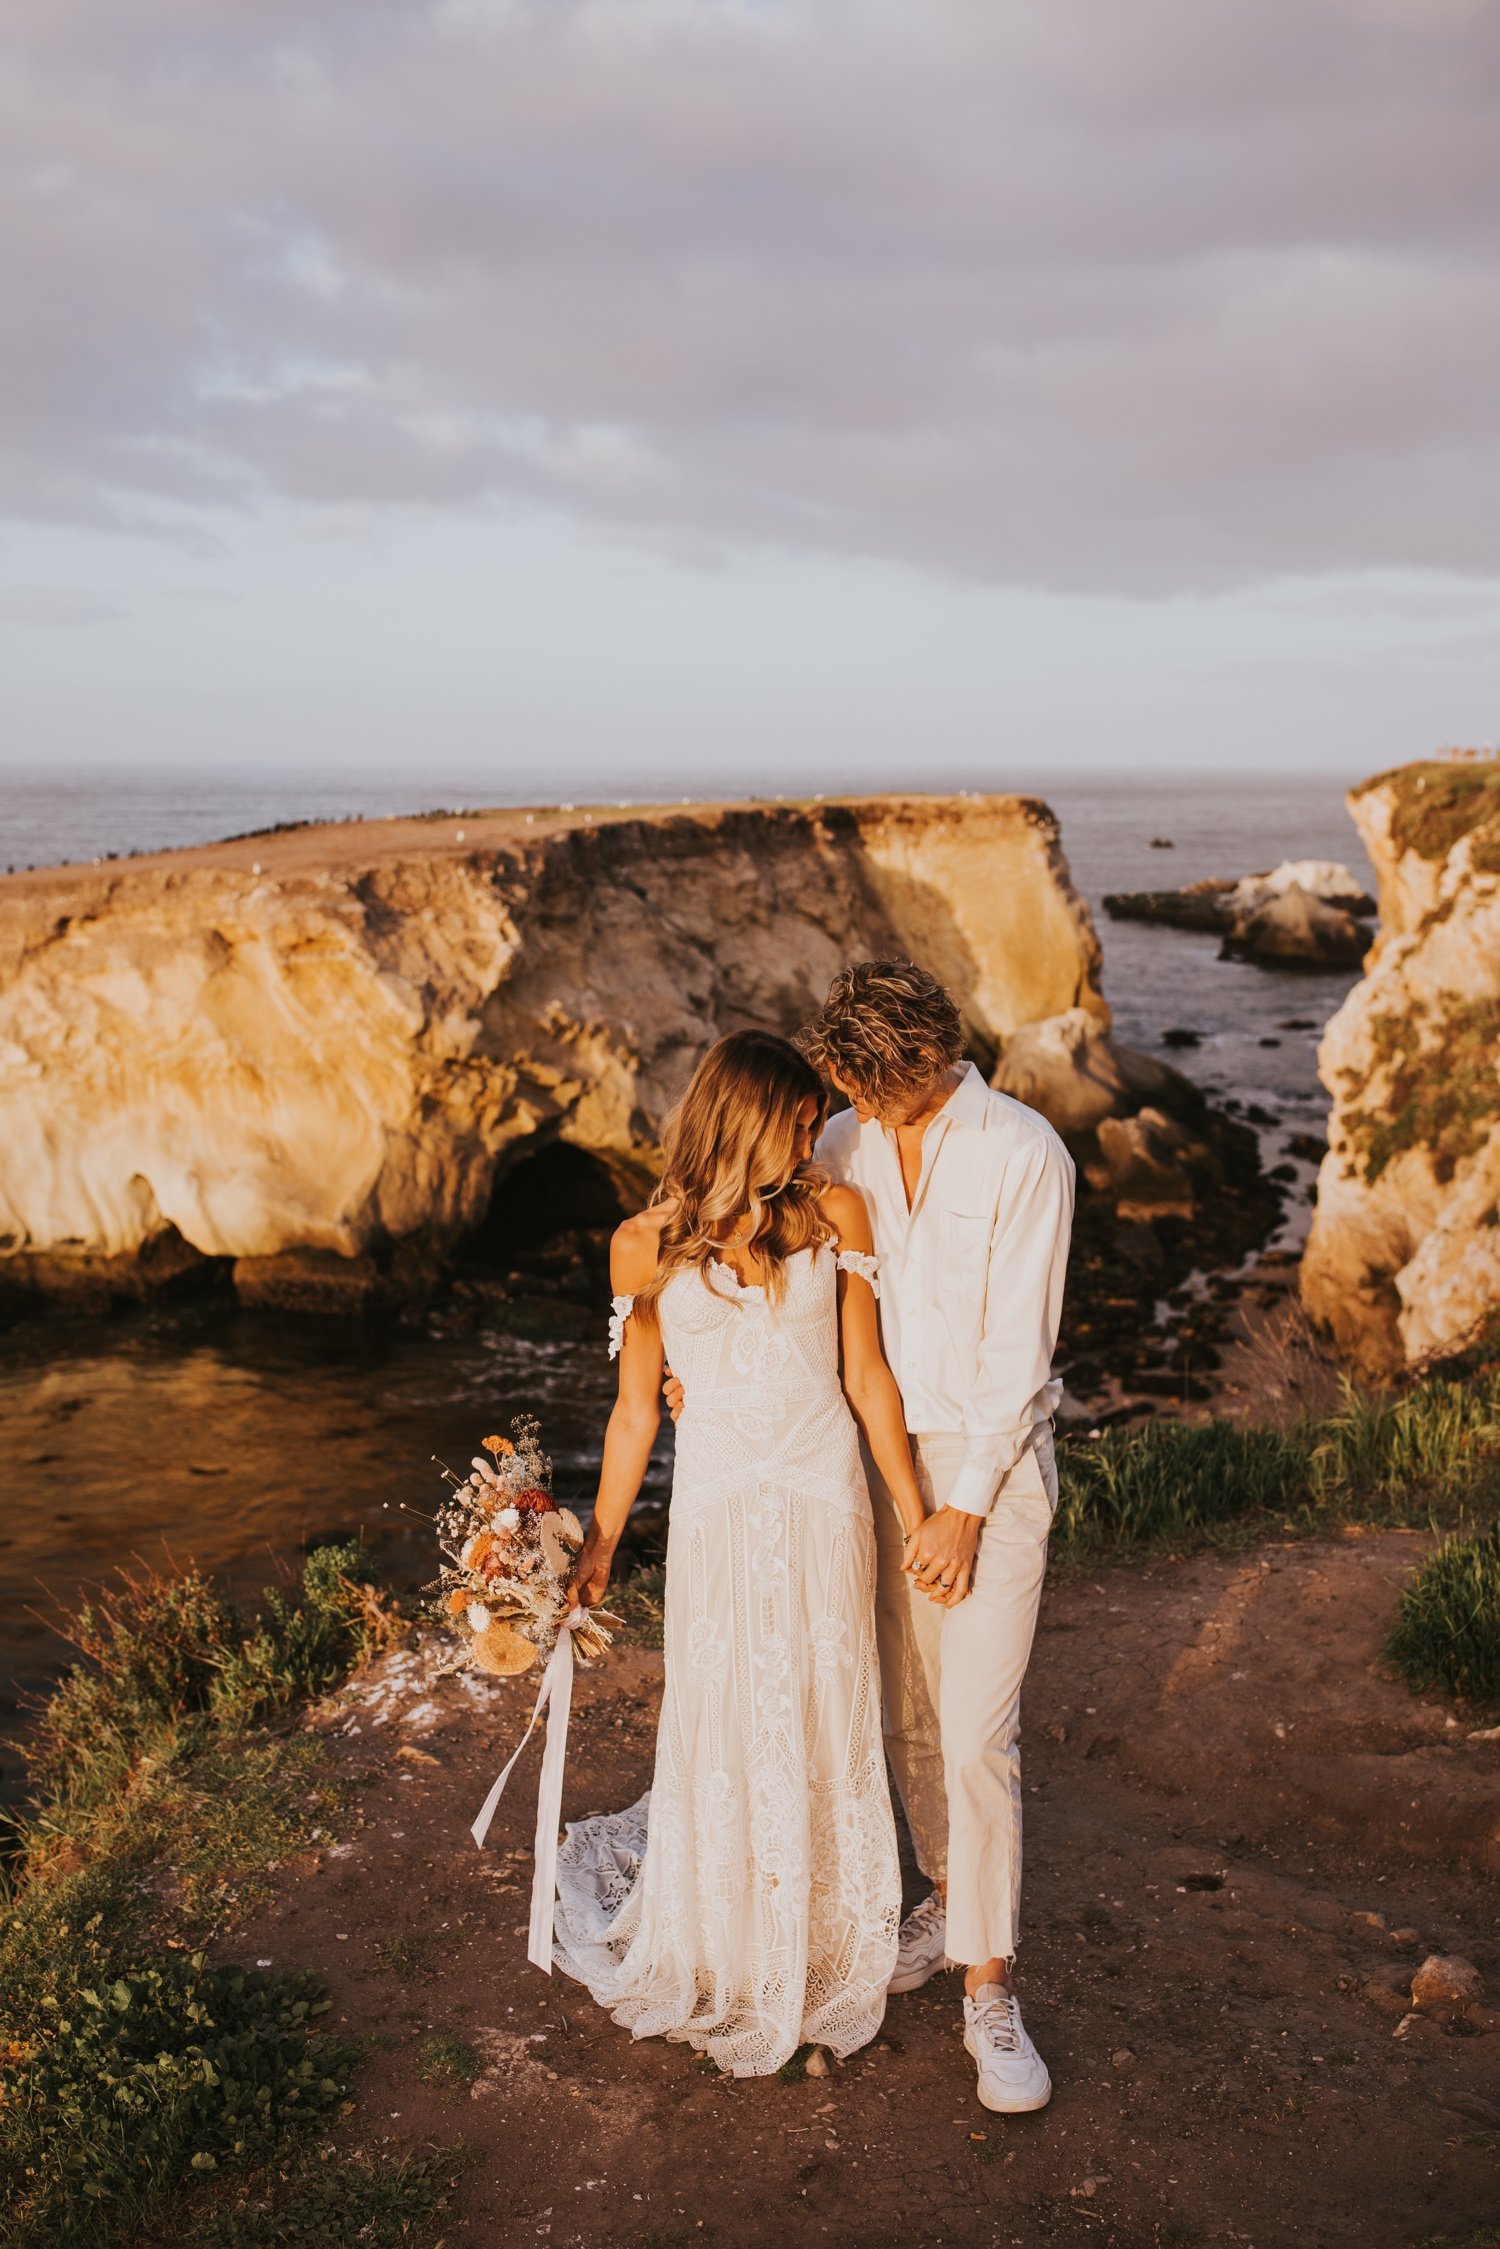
749	1902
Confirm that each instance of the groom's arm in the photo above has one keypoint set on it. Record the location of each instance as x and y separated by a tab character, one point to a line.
1023	1309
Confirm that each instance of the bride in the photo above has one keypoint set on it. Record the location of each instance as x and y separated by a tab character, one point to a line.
749	1902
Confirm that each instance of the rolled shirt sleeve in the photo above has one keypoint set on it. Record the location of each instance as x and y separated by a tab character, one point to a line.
1028	1263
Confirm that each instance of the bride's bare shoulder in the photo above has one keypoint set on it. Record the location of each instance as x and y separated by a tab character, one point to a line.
844	1209
634	1248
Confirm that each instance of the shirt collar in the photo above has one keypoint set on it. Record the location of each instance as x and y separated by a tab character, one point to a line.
968	1103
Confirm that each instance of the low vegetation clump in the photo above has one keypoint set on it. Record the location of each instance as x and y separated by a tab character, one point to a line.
314	2203
1447	1633
165	1794
1171	1480
641	1599
1396	1457
1437	803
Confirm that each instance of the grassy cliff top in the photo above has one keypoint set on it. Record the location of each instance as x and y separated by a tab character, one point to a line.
1437	803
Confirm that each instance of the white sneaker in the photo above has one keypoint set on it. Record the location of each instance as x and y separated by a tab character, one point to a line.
1012	2075
919	1948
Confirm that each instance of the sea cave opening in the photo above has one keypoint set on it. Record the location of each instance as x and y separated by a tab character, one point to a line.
550	1213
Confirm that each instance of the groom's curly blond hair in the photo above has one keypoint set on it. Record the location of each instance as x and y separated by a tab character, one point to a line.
885	1031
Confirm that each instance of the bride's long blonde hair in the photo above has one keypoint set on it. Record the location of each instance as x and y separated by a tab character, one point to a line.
730	1150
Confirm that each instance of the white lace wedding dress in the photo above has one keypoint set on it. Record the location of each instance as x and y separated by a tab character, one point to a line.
749	1902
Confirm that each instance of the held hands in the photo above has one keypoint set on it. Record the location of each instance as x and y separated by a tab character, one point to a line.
939	1555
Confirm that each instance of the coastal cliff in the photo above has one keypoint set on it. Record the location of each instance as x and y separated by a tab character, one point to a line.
1403	1260
328	1043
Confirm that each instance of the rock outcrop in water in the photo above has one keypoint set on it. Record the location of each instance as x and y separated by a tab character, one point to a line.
1306	913
1403	1261
314	1052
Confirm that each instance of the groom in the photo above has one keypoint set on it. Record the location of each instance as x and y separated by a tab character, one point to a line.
970	1197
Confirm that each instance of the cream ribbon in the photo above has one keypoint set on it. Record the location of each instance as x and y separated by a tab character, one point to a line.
557	1690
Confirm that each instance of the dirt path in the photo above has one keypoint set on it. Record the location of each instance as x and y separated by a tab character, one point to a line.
1241	1839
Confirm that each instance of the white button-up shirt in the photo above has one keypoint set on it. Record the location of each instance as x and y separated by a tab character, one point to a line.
971	1276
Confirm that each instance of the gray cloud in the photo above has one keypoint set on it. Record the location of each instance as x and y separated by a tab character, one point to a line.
1080	296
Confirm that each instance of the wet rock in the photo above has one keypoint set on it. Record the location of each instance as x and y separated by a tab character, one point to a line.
1446	1986
1294	929
309	1280
1219	903
1181	1037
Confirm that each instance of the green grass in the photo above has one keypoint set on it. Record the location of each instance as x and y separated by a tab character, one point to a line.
450	2063
361	2203
1447	1631
641	1599
1172	1480
1407	1457
130	2068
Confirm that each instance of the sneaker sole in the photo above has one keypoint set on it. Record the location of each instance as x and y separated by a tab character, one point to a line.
1008	2108
914	1978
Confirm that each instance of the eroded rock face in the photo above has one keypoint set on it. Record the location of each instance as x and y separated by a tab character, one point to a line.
1403	1260
1293	928
327	1043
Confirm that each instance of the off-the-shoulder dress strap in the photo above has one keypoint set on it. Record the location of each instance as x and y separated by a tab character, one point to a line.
862	1262
620	1309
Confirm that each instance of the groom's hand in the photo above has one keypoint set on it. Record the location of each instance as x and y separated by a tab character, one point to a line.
940	1559
674	1394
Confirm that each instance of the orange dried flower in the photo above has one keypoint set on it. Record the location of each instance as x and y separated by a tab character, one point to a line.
458	1601
499	1446
534	1501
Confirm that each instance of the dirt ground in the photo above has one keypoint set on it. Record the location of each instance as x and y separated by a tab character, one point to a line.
1241	1839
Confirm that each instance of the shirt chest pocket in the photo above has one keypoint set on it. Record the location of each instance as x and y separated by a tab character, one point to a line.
963	1245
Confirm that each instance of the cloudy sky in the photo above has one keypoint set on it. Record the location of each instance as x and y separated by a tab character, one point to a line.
749	388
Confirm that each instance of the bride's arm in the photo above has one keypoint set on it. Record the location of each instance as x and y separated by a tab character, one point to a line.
636	1416
869	1384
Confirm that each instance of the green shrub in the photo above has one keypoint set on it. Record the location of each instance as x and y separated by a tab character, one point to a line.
1429	1438
1447	1632
1169	1479
131	2085
362	2203
167	1660
127	2066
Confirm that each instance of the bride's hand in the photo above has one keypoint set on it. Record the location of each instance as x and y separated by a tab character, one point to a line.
590	1577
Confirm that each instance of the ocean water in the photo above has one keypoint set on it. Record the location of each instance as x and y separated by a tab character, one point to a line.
213	1435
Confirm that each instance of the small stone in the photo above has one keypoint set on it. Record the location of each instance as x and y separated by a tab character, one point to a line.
817	2063
1122	2058
1416	2026
1406	1936
1375	1921
1445	1986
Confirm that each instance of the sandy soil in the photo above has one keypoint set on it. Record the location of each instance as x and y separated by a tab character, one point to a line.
1241	1839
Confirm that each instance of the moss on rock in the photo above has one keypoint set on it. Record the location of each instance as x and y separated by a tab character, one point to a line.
1435	804
1441	1089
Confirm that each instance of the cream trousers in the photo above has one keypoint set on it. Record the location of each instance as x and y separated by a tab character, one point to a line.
951	1686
